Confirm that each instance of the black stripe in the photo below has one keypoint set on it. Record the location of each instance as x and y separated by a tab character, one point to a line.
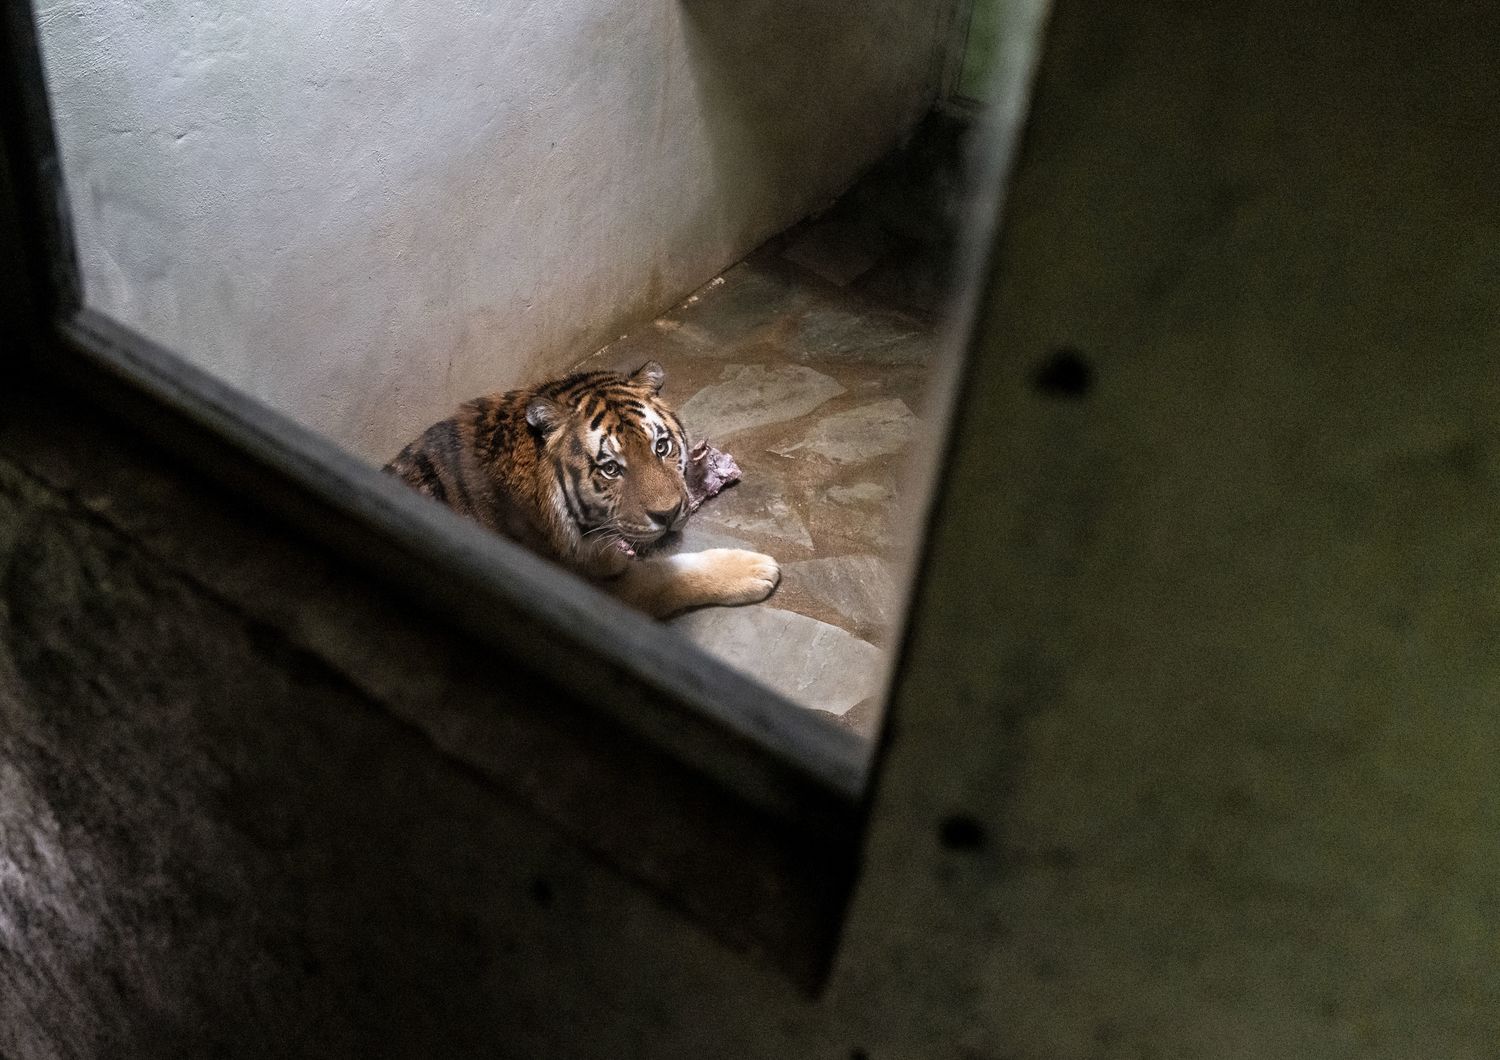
567	390
434	485
493	441
450	436
567	498
589	516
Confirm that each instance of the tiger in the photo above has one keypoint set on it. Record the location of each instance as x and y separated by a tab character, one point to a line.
587	470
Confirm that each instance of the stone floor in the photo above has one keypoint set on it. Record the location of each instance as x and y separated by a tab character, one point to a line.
808	362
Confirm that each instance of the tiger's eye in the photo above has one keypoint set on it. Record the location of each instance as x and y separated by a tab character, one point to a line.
609	469
663	446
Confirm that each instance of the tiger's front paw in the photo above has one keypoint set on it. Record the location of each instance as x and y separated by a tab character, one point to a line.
738	576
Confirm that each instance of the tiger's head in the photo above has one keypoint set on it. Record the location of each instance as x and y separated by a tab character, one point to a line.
617	452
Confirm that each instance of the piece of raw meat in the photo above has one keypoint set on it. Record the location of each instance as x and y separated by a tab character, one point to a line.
709	470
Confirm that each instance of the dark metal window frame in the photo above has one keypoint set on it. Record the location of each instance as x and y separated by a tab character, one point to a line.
786	785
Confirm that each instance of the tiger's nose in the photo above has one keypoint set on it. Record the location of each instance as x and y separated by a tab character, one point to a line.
666	516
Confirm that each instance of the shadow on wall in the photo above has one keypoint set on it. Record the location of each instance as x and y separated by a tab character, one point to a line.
771	117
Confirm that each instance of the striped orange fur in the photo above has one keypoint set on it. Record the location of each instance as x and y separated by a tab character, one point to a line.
584	470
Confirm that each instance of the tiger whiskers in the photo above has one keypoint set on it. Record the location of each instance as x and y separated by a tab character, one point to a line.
613	537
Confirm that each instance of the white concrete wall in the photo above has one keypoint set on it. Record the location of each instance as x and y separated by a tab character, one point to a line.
366	212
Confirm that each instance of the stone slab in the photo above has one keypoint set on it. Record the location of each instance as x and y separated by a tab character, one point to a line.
861	588
834	333
754	395
737	304
860	493
759	506
858	435
812	663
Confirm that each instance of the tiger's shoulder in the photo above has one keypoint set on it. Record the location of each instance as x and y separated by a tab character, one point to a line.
456	460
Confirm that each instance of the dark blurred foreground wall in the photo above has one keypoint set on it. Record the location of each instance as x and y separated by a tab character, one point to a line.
1207	688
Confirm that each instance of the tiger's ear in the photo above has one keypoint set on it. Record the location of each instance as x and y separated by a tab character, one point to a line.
650	374
544	415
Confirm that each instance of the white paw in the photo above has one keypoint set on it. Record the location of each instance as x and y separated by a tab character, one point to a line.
735	575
